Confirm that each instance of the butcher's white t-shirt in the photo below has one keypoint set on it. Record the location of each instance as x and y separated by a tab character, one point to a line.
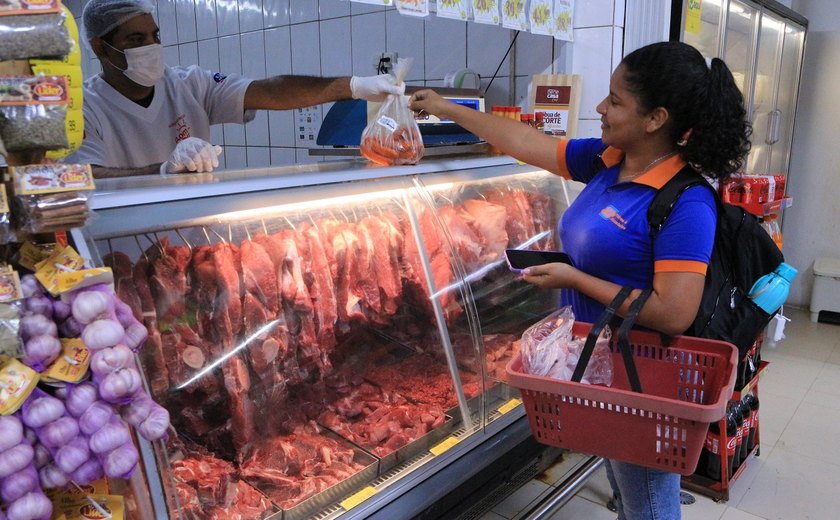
119	133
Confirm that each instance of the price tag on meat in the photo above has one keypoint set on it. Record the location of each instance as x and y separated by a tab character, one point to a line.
357	498
510	405
444	446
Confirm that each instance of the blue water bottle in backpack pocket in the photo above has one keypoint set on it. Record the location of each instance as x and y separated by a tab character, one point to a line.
771	290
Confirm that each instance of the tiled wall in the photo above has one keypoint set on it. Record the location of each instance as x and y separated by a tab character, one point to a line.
261	38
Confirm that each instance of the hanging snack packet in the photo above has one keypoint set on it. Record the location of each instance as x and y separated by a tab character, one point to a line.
34	33
32	112
393	136
51	197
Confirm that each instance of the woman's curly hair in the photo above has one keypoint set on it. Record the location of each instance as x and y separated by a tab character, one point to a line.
703	102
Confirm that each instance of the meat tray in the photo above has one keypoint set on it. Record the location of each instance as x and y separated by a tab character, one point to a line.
322	500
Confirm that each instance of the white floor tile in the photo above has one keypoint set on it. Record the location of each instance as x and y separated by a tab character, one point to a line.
578	508
521	498
793	486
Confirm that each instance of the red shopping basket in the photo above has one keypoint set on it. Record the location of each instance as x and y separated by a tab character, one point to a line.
686	386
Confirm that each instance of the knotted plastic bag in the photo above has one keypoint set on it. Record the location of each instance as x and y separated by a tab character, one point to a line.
549	349
393	136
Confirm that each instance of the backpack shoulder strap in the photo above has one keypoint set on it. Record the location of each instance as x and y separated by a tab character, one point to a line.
666	197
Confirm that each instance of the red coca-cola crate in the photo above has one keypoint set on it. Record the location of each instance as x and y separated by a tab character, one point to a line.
685	385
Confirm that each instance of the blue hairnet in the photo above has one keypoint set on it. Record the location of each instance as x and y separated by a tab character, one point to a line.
103	16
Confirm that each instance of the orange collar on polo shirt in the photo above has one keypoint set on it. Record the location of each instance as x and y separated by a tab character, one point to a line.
656	177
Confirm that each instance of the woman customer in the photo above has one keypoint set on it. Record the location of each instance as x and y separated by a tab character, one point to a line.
667	107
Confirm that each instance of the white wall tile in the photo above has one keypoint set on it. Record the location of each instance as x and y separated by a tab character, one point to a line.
620	8
563	55
593	60
258	156
594	13
230	54
368	33
303	11
165	17
235	157
227	17
208	54
445	49
253	54
405	36
522	94
282	156
618	47
171	55
336	55
333	8
275	13
306	49
533	53
217	134
250	15
302	156
234	134
205	19
357	8
498	92
188	54
185	20
278	55
256	131
486	46
589	128
281	125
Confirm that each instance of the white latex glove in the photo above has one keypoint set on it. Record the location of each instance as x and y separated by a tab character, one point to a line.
192	155
375	88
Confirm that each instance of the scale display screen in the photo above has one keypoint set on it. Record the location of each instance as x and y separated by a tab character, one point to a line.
471	102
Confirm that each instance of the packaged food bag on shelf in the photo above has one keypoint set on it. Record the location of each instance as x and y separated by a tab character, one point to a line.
51	197
32	112
34	30
549	349
393	136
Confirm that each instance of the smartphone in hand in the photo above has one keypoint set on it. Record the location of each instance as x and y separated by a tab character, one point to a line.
519	259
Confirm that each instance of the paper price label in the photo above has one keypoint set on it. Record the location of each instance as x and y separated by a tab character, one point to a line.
388	123
510	405
357	498
444	446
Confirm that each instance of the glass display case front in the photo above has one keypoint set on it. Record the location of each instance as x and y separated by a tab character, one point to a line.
311	342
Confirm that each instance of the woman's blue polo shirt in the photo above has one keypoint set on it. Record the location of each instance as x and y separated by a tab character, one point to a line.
605	230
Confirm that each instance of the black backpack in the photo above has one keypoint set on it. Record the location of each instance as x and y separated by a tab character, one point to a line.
743	252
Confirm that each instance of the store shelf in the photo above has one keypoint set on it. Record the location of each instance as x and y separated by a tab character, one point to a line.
718	490
761	209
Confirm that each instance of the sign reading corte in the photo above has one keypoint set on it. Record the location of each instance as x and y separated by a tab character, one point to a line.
553	103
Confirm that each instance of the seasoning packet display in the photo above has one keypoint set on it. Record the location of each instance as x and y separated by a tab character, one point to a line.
34	30
51	197
393	136
32	112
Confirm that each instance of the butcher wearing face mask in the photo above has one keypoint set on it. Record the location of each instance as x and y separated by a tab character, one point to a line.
143	117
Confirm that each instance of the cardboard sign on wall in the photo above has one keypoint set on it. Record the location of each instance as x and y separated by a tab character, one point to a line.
557	97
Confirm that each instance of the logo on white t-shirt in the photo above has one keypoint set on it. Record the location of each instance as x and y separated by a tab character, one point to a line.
181	126
219	77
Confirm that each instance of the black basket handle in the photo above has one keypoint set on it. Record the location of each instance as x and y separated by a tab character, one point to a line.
623	340
595	331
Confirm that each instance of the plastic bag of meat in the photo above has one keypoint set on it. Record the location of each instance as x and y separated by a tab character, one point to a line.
393	136
550	350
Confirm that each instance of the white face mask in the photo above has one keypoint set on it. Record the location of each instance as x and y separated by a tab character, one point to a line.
144	65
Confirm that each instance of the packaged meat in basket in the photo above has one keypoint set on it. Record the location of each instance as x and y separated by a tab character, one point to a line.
549	349
393	136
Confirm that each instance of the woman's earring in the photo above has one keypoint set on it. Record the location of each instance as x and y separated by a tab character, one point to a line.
684	139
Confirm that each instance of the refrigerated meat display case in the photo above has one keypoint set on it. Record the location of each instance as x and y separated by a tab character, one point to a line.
329	339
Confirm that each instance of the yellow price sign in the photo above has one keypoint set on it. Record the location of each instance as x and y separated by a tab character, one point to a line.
357	498
444	446
510	405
